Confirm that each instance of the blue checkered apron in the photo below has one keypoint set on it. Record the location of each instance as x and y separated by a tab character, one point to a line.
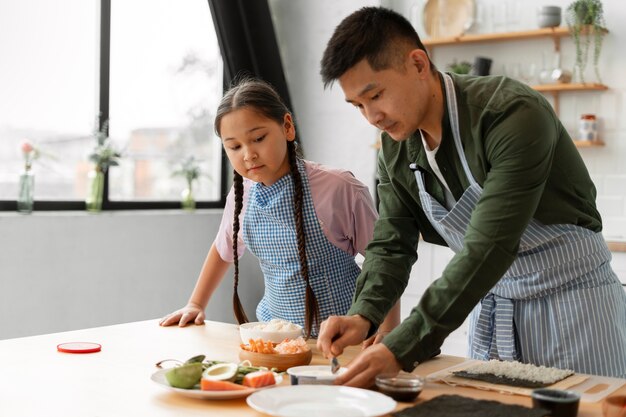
269	232
559	304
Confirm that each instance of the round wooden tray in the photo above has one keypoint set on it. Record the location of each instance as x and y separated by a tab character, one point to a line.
276	360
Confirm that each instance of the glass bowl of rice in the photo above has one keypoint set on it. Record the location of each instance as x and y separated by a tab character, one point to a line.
275	330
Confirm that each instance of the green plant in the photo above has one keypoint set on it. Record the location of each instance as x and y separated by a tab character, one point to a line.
104	154
585	19
190	169
462	67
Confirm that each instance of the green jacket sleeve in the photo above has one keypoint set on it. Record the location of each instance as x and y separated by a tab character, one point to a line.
391	252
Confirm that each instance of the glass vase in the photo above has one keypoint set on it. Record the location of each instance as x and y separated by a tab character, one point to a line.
95	190
188	202
26	192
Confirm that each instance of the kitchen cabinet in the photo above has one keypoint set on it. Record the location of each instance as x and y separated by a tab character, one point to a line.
554	89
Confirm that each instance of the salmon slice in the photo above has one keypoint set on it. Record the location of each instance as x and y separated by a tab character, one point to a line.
259	379
212	385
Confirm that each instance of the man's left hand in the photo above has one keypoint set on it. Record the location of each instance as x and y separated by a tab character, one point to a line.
362	371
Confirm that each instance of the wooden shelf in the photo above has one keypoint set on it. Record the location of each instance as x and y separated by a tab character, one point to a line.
588	143
553	88
497	37
555	33
617	246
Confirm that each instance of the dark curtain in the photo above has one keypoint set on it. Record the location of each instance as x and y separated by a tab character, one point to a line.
245	33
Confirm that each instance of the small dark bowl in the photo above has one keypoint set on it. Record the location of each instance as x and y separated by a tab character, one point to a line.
400	387
560	403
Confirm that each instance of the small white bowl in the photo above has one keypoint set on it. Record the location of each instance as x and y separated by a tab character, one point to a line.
313	375
248	331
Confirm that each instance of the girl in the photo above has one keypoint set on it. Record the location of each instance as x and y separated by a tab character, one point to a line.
304	222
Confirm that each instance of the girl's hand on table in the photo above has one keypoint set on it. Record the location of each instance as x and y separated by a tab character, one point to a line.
189	314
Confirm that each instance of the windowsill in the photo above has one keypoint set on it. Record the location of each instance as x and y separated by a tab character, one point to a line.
110	213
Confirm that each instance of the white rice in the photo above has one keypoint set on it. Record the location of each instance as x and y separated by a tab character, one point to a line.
277	325
517	370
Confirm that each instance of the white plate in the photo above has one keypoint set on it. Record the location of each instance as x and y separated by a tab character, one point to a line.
321	400
159	378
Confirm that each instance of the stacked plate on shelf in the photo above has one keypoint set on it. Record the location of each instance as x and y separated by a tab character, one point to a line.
448	18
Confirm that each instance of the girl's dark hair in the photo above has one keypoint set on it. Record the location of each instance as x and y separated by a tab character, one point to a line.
379	35
262	97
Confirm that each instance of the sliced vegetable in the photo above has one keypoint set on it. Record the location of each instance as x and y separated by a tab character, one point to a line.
198	358
213	385
259	379
185	376
221	372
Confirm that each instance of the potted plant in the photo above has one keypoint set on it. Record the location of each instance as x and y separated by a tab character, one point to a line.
27	179
190	170
462	67
103	156
585	19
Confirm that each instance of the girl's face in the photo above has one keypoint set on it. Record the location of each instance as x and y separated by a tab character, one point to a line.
256	145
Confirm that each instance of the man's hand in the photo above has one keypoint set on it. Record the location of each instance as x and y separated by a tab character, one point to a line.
362	371
337	332
375	339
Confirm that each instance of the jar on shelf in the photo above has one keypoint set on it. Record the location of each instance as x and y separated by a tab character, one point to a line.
588	127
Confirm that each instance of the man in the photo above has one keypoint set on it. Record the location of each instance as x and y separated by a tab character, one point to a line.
482	165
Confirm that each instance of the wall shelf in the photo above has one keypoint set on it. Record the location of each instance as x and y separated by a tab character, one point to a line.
588	143
555	34
553	88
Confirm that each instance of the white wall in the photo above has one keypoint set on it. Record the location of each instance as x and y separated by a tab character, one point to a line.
71	270
333	132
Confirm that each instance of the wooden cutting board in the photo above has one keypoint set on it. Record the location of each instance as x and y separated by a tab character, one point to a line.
592	388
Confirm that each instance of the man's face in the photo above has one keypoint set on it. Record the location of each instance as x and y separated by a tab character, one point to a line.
394	100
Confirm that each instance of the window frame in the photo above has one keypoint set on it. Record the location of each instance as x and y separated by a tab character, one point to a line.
248	44
103	111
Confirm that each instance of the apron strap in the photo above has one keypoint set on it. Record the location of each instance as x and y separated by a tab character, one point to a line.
454	123
494	334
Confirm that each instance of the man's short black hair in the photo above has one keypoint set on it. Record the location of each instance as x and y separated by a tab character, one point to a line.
377	34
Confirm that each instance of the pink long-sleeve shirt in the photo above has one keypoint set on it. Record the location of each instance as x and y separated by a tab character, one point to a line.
343	206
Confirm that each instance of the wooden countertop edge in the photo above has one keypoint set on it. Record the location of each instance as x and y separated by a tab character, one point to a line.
617	246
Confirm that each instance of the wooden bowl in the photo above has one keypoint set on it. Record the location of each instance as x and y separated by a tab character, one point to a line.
276	360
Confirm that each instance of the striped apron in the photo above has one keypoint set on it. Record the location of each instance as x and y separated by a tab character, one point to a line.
269	232
559	304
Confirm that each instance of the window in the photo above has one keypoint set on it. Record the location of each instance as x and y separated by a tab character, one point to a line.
49	92
164	82
165	85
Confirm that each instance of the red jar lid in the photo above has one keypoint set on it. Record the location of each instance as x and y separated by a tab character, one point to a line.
79	347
